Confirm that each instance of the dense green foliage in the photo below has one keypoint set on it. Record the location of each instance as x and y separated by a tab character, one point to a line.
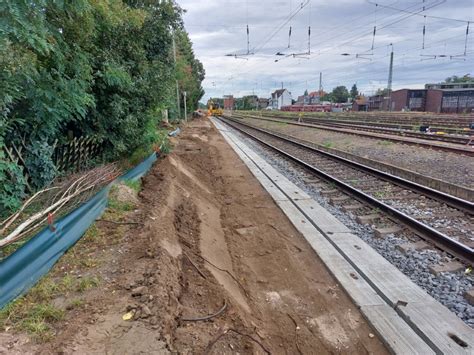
354	92
249	102
459	79
338	94
101	68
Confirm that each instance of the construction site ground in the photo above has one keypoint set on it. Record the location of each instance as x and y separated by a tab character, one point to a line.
209	239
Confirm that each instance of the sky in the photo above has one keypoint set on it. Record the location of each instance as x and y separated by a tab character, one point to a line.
339	47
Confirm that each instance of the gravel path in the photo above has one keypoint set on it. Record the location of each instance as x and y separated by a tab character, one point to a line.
448	288
450	167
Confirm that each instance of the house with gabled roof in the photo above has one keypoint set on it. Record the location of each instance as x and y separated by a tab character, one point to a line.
280	98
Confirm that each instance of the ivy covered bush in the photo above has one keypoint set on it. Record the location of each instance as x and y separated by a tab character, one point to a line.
100	68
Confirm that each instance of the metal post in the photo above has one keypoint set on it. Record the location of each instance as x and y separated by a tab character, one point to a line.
390	76
320	85
185	111
177	85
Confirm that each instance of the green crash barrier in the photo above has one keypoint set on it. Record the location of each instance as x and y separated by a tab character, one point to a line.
22	270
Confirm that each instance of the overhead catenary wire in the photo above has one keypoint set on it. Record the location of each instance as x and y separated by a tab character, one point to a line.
389	22
417	13
279	27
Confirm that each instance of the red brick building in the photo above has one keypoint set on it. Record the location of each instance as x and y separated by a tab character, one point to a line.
433	100
229	102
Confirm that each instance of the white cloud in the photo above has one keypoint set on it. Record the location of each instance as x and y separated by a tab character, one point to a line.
218	27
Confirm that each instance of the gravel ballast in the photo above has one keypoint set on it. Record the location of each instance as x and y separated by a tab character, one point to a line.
450	167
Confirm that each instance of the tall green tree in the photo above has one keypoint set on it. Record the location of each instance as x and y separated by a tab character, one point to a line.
99	68
340	94
354	92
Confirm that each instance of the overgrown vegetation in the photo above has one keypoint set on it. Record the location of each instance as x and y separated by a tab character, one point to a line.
97	68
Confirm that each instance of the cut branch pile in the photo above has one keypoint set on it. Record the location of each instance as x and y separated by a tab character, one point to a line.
54	202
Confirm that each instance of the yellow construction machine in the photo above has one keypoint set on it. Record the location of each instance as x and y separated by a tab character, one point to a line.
214	109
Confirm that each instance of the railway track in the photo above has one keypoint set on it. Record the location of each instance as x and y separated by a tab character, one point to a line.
449	125
458	145
384	199
399	130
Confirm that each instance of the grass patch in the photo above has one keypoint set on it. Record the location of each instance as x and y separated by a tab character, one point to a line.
116	205
380	194
86	283
328	144
135	185
35	312
75	303
92	234
385	143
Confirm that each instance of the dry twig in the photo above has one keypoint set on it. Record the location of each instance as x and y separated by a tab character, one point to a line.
71	193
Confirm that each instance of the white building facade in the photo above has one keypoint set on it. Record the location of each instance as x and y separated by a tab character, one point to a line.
281	97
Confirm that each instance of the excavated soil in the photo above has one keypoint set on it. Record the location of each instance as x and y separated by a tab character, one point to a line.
212	240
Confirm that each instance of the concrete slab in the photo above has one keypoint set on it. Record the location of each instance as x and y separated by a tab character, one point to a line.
291	190
325	221
272	189
451	266
439	326
389	282
388	323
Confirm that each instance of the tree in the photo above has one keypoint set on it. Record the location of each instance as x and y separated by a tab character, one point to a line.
354	92
306	92
340	94
456	79
95	68
381	92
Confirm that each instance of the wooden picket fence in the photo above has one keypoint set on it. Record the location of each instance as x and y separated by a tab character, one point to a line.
68	157
77	153
14	154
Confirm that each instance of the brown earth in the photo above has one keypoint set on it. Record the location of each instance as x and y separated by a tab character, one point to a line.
212	237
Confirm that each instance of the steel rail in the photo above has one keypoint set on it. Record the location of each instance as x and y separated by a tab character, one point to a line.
443	241
391	131
467	150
